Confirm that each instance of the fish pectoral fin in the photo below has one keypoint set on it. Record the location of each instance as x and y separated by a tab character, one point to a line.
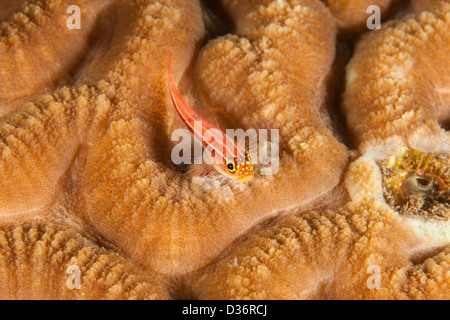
196	170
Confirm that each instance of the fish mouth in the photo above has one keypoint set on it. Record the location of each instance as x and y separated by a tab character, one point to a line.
245	179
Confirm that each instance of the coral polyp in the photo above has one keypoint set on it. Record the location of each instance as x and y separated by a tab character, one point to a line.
417	183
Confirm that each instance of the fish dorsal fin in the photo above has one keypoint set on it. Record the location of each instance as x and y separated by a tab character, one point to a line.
191	97
200	106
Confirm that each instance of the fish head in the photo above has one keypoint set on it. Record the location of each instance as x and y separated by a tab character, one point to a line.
239	168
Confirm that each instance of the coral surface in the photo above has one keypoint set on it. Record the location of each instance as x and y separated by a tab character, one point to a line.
92	206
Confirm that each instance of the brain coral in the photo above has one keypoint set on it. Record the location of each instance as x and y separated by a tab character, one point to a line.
357	210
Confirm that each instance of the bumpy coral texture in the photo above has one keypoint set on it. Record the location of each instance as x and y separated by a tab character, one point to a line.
403	96
85	143
352	15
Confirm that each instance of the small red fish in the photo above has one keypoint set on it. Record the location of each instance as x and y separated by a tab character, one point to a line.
232	160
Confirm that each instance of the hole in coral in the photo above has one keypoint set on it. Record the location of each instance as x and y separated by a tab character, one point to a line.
180	290
446	125
423	182
418	184
217	21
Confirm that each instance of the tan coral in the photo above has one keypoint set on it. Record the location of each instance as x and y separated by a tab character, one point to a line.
396	104
352	15
87	178
397	84
37	47
45	145
166	202
102	144
48	261
361	251
9	6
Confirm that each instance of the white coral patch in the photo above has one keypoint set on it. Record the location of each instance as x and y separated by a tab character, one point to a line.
424	140
432	232
364	180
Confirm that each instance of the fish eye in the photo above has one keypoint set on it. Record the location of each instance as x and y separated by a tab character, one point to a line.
231	166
